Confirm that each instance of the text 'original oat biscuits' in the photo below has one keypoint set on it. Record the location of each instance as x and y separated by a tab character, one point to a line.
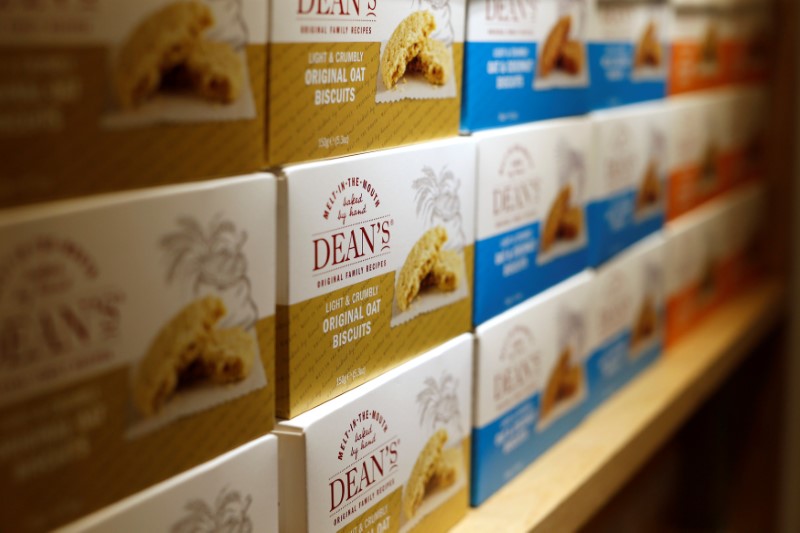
628	51
377	268
237	491
531	381
630	158
364	462
348	78
151	340
524	62
145	94
533	184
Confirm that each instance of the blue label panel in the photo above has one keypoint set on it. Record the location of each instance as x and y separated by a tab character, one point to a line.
504	447
613	226
613	365
613	83
506	272
498	88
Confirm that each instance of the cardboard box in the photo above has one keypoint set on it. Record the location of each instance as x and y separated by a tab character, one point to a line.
695	252
628	185
113	95
531	230
237	491
524	61
627	321
531	382
349	77
629	47
376	265
138	336
366	461
696	154
696	61
712	254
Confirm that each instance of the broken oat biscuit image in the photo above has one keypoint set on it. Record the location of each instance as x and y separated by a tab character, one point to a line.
561	53
189	349
411	49
648	50
428	267
169	45
428	464
564	383
649	191
564	221
646	322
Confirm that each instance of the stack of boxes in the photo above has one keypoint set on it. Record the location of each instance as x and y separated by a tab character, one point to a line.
425	314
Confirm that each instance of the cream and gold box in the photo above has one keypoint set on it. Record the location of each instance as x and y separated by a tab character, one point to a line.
349	77
137	337
375	265
236	492
109	95
391	455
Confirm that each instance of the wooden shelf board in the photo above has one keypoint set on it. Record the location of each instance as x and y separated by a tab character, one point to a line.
573	480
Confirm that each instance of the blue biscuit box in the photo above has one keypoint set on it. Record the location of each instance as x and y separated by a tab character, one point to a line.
524	61
627	185
530	217
628	51
531	384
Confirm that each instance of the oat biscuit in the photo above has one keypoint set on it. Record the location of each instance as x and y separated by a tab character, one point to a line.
216	71
564	383
406	42
648	49
571	223
178	344
418	265
446	272
650	189
572	57
554	218
432	62
158	44
553	45
446	470
423	471
646	322
228	355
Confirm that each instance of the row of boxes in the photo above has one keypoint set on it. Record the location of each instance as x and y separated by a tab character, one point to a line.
144	333
147	93
478	408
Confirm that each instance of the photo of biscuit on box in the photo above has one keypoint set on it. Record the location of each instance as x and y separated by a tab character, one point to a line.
436	469
646	325
429	268
565	384
649	191
564	222
191	349
648	50
709	47
560	53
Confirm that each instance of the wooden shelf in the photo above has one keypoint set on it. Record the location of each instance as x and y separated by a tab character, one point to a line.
574	479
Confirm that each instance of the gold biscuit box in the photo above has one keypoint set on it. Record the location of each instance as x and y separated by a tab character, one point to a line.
391	455
136	341
349	77
112	95
375	266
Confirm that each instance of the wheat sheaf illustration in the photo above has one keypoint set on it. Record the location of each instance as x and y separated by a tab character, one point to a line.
228	514
211	260
438	202
438	402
